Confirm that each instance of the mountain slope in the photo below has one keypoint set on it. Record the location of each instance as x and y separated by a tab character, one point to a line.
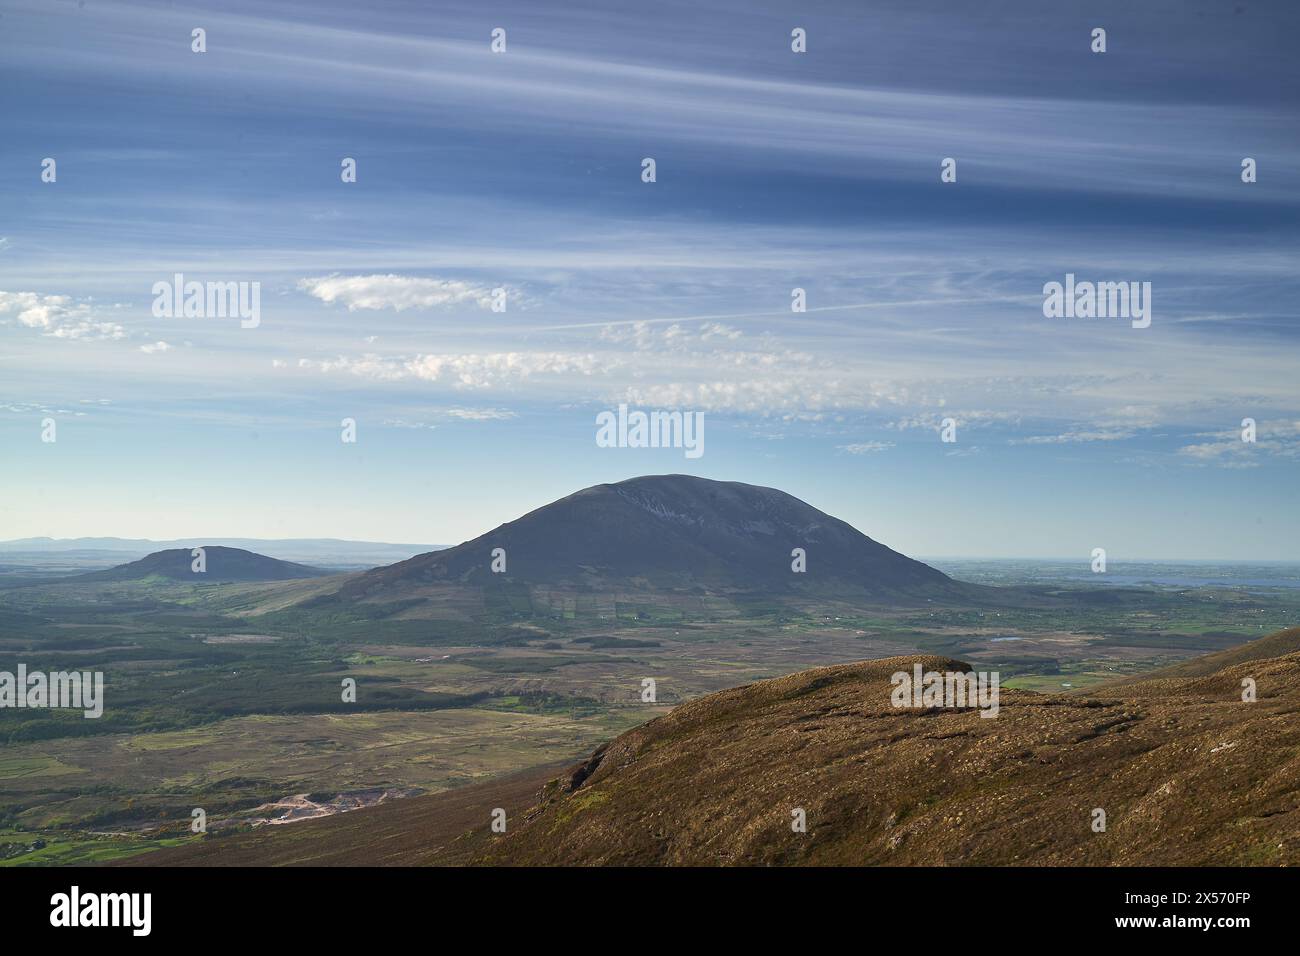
1186	772
671	531
1187	775
223	564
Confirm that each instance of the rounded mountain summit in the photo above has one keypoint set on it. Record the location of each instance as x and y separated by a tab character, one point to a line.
674	532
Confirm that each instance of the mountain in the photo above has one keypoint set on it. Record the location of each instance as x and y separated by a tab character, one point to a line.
222	565
672	531
1187	773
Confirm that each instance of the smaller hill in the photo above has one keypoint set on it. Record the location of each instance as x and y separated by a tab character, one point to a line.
222	565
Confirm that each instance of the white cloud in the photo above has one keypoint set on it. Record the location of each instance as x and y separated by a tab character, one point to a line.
966	418
1276	438
639	334
159	346
480	414
1225	454
38	311
713	330
60	316
646	335
471	370
1077	435
1114	424
792	397
862	448
457	414
395	292
496	368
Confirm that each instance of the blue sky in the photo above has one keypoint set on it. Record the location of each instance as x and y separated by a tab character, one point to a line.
775	170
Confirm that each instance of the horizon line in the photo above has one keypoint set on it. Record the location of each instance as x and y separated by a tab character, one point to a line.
1058	559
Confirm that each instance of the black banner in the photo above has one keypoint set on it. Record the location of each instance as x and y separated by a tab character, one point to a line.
337	905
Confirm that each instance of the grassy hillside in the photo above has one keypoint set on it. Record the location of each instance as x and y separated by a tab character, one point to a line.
1186	773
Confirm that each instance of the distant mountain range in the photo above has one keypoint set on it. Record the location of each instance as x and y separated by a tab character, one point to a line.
671	532
655	533
220	565
320	552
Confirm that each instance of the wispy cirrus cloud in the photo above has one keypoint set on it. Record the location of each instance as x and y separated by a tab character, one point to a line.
964	417
1279	438
866	447
1117	424
468	370
454	414
885	111
679	335
1075	436
479	414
